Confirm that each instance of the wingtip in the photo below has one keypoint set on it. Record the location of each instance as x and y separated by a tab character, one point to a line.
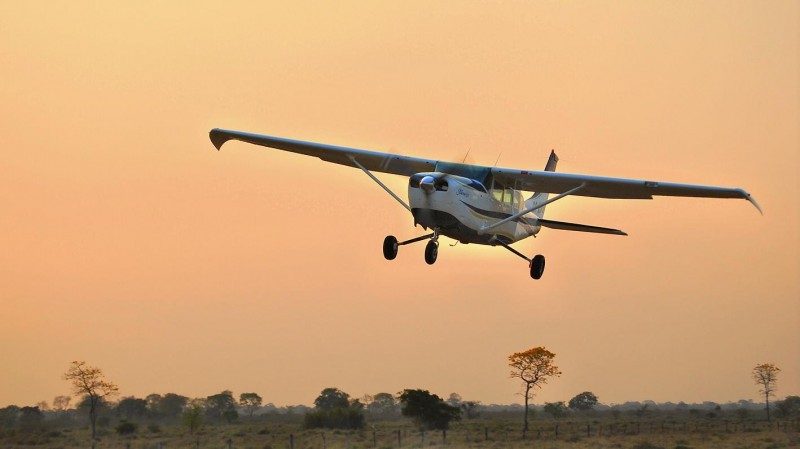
218	138
752	200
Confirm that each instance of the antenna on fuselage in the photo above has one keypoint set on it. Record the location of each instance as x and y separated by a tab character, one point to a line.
465	156
498	159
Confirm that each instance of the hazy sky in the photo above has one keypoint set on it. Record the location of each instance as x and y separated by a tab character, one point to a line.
129	242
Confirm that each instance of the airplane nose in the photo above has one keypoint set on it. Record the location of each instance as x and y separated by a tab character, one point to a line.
426	184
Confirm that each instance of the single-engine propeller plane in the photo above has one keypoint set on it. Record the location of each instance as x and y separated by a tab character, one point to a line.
478	204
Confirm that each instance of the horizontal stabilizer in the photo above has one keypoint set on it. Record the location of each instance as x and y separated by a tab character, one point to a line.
564	226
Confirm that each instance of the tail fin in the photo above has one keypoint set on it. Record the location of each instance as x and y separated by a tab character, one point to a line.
541	197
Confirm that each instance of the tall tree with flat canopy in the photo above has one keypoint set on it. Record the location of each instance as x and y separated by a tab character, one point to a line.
89	381
533	367
251	402
766	376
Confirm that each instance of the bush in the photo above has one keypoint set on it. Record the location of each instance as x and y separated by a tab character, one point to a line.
126	428
337	418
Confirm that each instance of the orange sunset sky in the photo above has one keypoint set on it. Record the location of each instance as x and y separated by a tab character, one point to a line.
128	241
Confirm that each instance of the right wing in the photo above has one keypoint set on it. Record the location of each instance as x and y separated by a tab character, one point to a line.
372	160
603	187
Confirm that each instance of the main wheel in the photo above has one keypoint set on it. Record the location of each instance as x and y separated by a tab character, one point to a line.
431	251
537	266
390	247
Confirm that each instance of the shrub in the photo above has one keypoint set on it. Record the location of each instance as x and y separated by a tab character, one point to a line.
337	418
126	428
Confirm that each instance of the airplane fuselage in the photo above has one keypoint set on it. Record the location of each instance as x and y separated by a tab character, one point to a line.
459	207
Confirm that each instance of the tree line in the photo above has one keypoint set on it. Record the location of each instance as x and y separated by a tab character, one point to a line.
335	409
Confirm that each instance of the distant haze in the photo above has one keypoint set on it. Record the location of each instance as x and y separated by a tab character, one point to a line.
128	241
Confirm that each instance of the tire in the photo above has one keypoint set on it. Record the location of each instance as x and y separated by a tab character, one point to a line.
537	266
431	251
390	247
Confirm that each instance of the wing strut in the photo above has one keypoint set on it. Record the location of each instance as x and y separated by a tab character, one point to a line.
389	191
484	229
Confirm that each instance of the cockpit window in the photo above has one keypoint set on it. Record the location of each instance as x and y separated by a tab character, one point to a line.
477	185
476	172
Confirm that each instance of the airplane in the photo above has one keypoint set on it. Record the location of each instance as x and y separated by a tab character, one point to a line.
479	204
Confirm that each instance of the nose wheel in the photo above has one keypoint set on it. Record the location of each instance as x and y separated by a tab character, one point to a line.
431	251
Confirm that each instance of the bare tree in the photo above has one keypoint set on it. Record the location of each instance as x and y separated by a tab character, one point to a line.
766	377
533	367
89	381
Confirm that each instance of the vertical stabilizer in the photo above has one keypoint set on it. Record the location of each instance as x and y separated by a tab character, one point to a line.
541	197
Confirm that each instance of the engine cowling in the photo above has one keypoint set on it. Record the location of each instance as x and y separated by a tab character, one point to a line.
427	184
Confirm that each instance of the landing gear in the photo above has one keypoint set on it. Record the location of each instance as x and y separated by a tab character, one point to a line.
431	251
390	247
537	266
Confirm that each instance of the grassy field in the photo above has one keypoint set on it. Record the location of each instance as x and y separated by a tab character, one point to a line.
477	434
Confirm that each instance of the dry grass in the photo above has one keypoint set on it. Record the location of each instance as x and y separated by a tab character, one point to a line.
471	435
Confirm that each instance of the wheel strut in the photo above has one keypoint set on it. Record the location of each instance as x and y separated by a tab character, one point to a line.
390	246
419	239
536	264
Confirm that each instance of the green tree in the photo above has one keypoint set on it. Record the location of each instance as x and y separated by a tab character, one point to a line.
193	416
556	409
428	411
61	403
89	381
454	399
132	408
335	410
30	419
583	401
250	402
534	368
470	409
169	406
8	417
221	407
382	403
332	398
788	407
765	376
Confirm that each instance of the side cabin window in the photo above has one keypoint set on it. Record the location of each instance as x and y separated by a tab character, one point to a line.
508	198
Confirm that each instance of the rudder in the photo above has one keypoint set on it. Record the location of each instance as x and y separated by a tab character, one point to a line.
541	197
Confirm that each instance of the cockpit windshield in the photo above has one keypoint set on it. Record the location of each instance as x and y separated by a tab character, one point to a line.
476	172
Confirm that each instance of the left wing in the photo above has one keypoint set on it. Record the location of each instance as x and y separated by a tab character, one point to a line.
371	160
601	187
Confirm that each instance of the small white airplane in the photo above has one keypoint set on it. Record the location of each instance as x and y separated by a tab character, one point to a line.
477	204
